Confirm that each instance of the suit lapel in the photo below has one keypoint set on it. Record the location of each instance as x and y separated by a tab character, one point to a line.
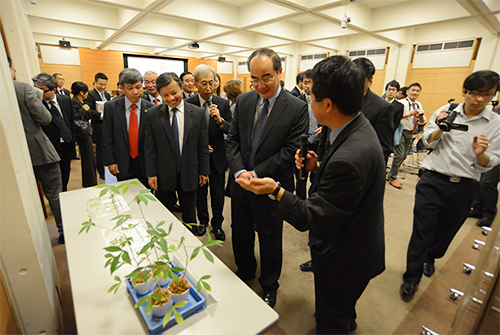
351	127
164	117
249	117
276	111
142	122
368	101
188	122
122	119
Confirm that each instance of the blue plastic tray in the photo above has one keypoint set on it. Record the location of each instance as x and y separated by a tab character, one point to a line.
196	303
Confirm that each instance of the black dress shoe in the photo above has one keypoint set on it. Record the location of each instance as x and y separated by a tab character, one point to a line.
270	298
60	239
307	266
200	230
484	222
177	208
408	289
475	214
219	234
429	269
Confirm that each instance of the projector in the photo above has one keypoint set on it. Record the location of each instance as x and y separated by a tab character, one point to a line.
221	59
194	45
64	43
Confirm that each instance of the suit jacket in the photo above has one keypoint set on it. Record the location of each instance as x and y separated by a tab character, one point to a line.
79	113
52	130
380	113
34	114
95	115
398	113
279	141
115	144
186	95
344	212
215	132
159	148
66	92
296	92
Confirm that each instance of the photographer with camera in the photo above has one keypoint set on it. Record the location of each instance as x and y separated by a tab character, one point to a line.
445	190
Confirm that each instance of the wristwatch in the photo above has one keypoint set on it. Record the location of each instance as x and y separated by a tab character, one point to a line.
221	123
273	195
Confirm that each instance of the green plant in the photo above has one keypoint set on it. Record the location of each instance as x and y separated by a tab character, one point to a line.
153	260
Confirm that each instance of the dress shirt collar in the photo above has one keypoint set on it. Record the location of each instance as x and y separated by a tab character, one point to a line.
335	133
128	103
272	99
180	107
152	98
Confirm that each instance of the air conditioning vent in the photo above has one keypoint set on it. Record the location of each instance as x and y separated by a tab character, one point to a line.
445	46
242	63
367	52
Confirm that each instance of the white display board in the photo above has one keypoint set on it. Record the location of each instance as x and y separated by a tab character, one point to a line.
440	59
60	55
158	64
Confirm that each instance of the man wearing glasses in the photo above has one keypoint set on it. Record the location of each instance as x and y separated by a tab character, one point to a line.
98	94
445	191
218	119
264	135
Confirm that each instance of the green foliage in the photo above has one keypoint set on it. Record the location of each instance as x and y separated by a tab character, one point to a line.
86	226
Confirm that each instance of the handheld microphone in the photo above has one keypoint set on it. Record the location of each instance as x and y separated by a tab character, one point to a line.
209	101
303	156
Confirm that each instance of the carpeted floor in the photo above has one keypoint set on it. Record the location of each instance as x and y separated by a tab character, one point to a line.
380	309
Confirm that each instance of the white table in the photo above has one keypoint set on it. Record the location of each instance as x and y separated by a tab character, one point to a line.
238	309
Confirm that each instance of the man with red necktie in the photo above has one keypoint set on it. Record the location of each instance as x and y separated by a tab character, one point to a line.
123	129
151	93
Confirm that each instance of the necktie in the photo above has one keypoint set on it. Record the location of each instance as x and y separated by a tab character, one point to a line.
103	97
415	118
59	121
133	133
313	124
155	101
177	146
61	91
257	132
207	111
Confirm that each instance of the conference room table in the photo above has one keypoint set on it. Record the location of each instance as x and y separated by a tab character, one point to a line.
231	306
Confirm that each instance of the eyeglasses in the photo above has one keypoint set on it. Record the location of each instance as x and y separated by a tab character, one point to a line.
44	91
205	83
480	95
264	81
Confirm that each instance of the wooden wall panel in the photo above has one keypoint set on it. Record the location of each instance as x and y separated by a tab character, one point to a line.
245	78
71	73
7	323
378	83
194	62
438	85
106	61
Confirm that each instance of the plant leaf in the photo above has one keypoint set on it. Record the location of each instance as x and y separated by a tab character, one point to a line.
103	192
122	185
167	316
195	252
149	306
150	197
114	287
114	189
145	191
125	189
100	186
113	249
156	297
180	304
208	255
178	318
141	301
207	287
133	183
126	258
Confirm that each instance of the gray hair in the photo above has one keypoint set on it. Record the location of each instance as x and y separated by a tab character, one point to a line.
45	79
203	70
151	72
129	76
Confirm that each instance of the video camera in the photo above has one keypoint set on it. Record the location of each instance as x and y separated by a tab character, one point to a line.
447	124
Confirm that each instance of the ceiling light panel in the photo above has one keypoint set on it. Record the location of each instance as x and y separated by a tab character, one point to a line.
210	11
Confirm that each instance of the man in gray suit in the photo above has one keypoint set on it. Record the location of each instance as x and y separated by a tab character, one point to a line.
264	135
44	157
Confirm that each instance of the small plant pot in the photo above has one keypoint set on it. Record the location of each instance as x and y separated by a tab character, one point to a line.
179	292
163	282
144	288
161	308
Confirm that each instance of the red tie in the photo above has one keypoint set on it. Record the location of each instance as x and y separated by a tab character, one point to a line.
133	133
155	101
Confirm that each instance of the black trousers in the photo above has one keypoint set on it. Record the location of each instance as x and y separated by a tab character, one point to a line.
98	154
49	176
486	196
441	208
66	152
250	214
134	171
301	185
216	183
187	201
89	175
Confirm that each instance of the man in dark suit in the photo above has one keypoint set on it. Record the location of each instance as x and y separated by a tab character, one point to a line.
98	94
60	130
60	83
123	129
151	94
391	90
188	84
44	157
379	112
344	212
176	148
218	116
264	135
297	90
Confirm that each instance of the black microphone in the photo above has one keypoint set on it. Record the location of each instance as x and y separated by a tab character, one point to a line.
209	101
303	156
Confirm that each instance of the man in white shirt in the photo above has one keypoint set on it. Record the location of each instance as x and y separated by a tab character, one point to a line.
391	91
413	115
445	190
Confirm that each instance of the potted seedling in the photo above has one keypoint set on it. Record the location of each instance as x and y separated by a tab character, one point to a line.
151	260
